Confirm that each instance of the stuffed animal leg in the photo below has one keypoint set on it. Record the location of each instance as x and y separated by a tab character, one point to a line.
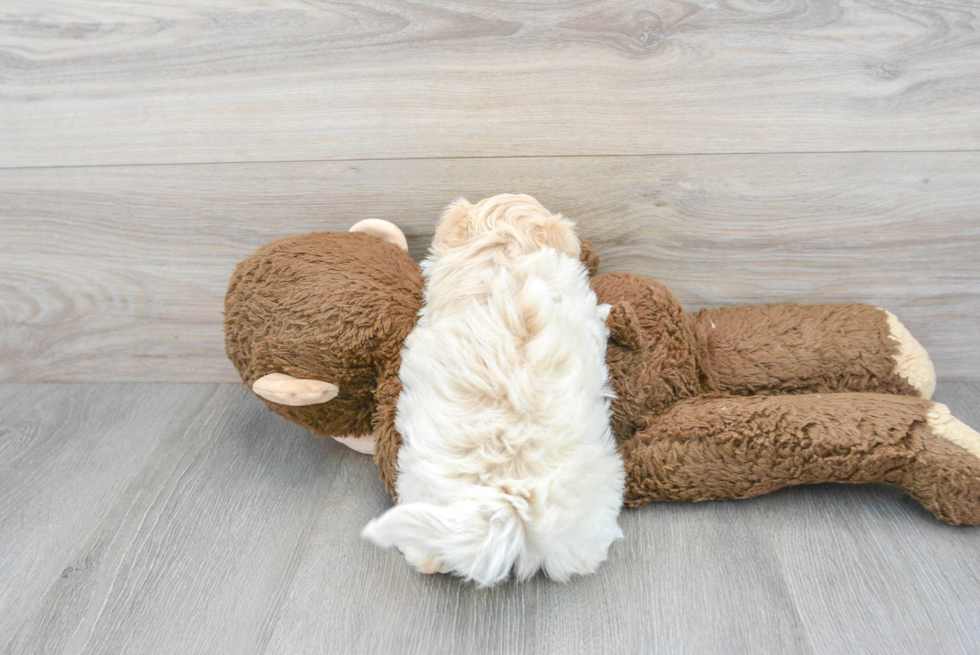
782	349
811	349
720	447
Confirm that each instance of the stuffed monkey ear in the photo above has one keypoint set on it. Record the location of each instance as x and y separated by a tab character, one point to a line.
624	326
381	228
588	256
287	390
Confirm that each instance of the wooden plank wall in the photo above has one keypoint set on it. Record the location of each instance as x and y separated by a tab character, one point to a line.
158	81
738	151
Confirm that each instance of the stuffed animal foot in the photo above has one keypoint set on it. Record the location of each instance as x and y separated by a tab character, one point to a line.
945	476
721	447
912	362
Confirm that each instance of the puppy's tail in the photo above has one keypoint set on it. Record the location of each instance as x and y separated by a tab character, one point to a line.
479	540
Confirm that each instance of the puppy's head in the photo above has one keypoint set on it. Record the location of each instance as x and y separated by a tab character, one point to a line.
517	222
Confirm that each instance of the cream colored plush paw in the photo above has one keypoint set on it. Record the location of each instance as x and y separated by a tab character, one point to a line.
912	361
952	429
363	444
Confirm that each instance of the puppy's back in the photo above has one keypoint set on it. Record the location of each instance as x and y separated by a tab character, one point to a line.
509	461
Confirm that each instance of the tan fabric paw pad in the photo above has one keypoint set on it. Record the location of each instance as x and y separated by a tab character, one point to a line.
912	361
952	429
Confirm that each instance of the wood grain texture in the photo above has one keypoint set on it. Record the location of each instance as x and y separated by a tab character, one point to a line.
227	530
194	554
119	273
658	592
66	455
151	81
918	580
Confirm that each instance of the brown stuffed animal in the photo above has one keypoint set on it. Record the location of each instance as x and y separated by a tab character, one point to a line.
726	403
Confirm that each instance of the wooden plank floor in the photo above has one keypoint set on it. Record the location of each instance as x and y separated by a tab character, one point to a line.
155	518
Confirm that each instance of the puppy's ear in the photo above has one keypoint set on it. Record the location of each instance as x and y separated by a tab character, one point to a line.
556	231
455	225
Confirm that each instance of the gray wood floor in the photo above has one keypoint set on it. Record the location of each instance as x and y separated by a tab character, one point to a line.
156	518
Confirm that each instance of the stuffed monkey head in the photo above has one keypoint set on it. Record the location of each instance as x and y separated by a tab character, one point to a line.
311	322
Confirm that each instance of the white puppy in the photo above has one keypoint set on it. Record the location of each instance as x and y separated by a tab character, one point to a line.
508	460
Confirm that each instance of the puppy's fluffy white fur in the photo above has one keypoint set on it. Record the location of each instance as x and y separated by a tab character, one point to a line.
508	461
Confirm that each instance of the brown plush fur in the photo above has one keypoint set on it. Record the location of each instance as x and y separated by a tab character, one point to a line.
325	306
788	349
725	403
715	447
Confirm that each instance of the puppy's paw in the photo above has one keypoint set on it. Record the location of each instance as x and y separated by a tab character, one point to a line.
429	565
